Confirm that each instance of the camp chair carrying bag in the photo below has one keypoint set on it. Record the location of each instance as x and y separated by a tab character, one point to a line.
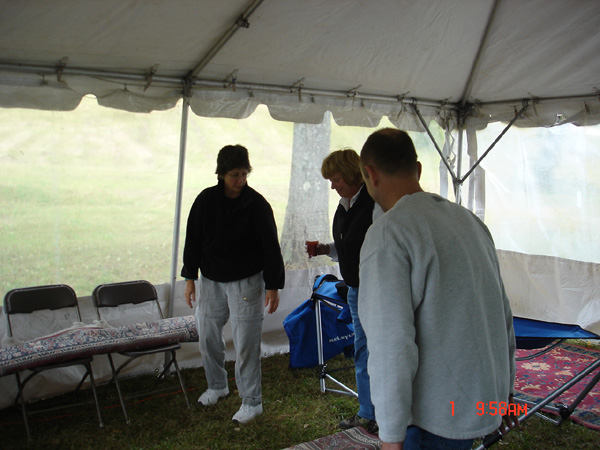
336	324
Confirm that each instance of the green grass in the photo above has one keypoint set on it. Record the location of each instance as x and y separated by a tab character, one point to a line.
88	196
295	412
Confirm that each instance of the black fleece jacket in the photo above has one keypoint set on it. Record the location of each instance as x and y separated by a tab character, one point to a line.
349	229
232	239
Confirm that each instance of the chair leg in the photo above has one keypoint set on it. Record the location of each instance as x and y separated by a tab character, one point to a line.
21	396
118	385
174	360
88	367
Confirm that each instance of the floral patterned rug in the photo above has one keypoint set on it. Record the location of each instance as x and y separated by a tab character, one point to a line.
352	439
93	340
539	377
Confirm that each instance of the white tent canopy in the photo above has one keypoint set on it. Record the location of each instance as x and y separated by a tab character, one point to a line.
361	60
462	63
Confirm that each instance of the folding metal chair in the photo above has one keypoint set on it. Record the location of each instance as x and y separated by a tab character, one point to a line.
113	295
53	297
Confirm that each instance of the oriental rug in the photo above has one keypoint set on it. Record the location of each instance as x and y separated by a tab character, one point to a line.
93	340
352	439
537	378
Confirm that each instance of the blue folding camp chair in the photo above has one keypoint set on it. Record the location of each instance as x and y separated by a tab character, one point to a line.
321	328
535	334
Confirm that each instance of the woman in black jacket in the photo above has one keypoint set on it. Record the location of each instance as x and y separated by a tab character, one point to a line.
232	240
353	217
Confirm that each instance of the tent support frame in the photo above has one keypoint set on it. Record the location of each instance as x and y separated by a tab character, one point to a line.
456	179
482	46
178	200
459	157
178	82
437	147
517	116
241	22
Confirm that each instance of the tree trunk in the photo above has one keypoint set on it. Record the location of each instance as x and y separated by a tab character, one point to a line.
307	212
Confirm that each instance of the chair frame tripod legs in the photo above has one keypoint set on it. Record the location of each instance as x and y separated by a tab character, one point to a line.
324	374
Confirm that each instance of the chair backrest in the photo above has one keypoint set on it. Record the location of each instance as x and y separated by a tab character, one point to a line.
36	298
111	295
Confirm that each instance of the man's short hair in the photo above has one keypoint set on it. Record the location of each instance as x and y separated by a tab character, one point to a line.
232	157
390	151
346	162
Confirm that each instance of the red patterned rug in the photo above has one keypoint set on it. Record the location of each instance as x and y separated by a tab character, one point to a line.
352	439
536	379
539	377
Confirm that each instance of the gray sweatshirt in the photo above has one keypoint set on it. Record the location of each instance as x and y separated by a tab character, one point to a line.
438	322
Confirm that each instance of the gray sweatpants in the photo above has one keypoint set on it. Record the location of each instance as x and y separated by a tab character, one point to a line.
241	301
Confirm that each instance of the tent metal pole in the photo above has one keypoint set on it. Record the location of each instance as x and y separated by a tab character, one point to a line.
480	52
175	82
437	147
177	219
200	84
241	22
510	124
458	182
275	89
91	72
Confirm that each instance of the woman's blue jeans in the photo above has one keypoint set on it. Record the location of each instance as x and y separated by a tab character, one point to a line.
361	355
420	439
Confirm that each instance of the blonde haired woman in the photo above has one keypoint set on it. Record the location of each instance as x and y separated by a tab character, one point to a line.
353	217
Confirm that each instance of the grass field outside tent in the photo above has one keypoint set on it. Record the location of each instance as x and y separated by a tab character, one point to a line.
88	196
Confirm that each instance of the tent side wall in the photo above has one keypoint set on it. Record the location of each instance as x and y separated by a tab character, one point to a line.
537	286
298	289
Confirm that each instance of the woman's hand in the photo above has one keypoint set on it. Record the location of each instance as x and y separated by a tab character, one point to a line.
272	300
322	249
190	292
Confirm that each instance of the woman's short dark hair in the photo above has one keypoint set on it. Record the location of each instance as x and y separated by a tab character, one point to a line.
232	157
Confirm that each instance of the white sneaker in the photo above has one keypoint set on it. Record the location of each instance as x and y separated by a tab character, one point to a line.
247	413
212	396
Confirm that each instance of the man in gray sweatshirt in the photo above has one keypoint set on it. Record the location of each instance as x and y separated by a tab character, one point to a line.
434	309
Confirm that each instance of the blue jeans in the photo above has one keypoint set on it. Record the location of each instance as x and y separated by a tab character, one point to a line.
361	355
419	439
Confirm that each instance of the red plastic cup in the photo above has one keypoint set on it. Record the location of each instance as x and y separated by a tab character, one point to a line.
311	248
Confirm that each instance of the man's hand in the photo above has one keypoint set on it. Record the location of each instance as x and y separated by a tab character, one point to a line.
190	292
509	420
272	300
392	446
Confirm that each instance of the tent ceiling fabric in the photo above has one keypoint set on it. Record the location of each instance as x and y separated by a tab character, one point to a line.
359	59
